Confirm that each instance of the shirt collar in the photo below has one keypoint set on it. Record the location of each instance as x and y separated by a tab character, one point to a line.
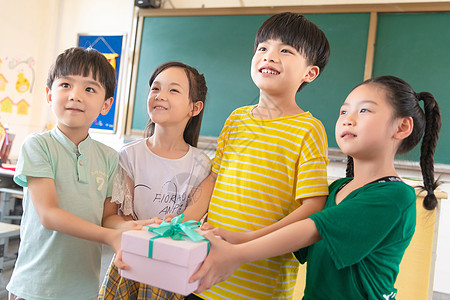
68	144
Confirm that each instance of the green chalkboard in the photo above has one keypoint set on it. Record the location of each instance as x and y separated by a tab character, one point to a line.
221	47
415	47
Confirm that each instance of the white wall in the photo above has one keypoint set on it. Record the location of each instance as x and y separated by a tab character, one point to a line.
28	33
42	29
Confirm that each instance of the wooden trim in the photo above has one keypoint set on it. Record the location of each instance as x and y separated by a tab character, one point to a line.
368	68
135	63
337	156
303	9
135	133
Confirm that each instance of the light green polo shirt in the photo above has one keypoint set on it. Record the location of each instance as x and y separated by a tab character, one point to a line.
52	265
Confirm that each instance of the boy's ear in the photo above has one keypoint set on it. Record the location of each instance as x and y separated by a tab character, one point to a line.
48	96
107	105
196	108
312	74
404	128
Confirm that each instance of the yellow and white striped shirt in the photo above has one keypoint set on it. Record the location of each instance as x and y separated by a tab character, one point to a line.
265	167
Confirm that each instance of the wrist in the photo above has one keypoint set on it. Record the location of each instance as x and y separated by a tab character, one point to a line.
107	236
241	254
249	236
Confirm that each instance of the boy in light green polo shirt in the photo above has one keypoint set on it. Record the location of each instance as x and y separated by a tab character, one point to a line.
67	177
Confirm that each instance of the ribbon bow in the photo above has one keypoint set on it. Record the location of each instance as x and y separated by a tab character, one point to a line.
177	230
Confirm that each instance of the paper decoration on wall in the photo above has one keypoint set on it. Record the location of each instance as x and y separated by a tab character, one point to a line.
111	57
6	105
22	84
3	80
22	107
21	81
16	83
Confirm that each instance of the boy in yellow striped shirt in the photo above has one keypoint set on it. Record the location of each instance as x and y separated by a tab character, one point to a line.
270	165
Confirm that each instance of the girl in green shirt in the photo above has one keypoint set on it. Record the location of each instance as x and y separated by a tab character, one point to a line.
357	242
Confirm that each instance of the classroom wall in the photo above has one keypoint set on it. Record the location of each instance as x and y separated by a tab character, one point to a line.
26	46
42	29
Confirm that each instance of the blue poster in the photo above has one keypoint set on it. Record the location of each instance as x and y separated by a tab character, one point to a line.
111	47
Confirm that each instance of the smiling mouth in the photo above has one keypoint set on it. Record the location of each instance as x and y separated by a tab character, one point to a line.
348	134
159	108
74	109
269	71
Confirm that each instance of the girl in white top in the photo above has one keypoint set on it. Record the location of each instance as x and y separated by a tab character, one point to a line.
158	175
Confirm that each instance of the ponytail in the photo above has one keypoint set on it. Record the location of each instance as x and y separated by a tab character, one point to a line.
427	125
349	172
429	141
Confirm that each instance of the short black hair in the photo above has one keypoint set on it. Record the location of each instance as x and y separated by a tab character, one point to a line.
295	30
80	61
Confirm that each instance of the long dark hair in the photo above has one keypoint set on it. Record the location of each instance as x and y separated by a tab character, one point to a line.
197	92
427	124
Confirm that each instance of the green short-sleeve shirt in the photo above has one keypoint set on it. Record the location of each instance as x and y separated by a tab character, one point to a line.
363	241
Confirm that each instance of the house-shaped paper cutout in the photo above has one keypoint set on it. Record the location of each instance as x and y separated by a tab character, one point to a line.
22	107
6	105
3	82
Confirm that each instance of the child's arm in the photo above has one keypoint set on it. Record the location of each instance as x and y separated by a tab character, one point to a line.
309	207
111	217
200	200
224	258
45	200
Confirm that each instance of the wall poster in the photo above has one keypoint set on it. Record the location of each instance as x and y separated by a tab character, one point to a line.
112	47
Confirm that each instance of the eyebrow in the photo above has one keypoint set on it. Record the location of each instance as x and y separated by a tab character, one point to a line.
362	102
172	83
89	82
92	82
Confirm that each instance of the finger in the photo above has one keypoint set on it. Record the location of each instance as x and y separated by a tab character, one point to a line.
155	220
119	262
136	225
223	234
204	285
218	231
211	237
200	273
207	226
168	218
201	288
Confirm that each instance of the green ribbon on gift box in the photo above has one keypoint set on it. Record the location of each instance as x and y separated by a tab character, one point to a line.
177	230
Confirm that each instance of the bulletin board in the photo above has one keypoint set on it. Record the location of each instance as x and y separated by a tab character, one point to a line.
112	47
365	40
